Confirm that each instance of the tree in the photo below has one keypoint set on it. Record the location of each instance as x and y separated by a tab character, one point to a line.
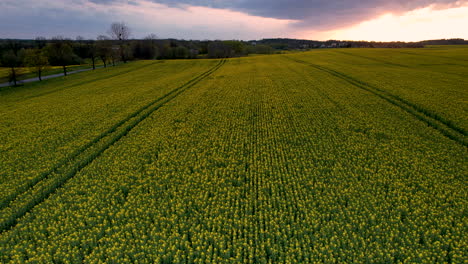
14	46
36	60
60	53
146	49
120	32
12	60
261	49
167	52
114	55
152	37
181	52
92	53
126	52
40	42
150	46
237	47
219	49
79	38
104	49
79	48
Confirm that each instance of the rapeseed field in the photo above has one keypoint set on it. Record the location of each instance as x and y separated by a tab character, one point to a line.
327	156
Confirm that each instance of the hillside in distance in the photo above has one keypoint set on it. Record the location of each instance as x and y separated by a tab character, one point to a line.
331	155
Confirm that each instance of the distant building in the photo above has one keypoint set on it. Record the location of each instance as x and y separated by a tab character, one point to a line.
343	44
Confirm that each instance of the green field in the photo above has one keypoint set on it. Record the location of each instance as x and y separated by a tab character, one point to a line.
327	156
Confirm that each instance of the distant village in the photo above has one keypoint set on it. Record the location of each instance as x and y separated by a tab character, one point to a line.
310	46
297	44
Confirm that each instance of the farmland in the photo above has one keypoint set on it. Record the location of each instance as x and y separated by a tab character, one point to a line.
339	155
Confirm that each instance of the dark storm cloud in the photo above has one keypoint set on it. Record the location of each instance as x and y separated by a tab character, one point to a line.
312	13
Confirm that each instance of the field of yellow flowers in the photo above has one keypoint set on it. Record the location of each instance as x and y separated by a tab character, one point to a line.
330	156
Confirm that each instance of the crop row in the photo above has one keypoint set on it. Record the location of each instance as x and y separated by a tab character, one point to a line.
263	163
434	85
44	185
51	125
446	127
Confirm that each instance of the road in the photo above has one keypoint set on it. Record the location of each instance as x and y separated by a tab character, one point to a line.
36	79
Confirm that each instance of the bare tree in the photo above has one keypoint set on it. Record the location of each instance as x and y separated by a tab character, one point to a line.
121	32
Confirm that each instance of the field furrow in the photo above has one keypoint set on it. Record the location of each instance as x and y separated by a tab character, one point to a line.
73	122
446	127
40	188
288	158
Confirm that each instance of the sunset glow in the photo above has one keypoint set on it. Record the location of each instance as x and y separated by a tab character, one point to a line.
421	24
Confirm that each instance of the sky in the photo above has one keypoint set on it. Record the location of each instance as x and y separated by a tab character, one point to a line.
378	20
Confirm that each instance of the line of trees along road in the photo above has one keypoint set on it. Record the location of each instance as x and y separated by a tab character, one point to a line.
41	53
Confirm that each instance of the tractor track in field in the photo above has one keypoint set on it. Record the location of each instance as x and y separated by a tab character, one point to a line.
445	127
432	55
387	63
373	59
40	188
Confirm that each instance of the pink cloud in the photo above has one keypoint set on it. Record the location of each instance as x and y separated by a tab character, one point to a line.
201	22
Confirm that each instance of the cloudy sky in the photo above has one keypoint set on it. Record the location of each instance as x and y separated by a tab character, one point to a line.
381	20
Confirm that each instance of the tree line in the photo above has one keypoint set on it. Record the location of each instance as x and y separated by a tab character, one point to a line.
115	46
